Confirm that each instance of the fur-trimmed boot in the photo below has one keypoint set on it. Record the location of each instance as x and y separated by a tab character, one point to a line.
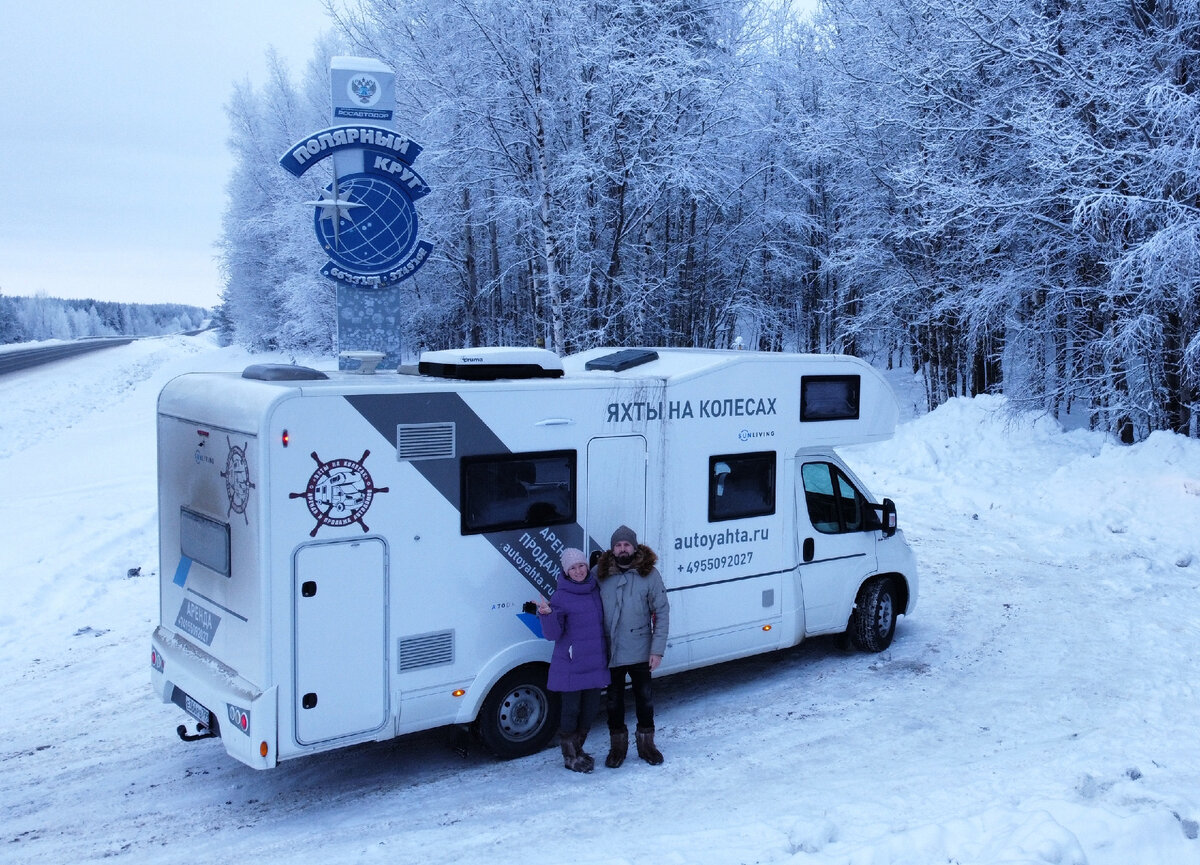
570	752
618	749
645	746
589	762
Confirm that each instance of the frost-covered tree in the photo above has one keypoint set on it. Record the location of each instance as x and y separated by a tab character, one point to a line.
274	295
589	158
1033	222
1002	194
28	319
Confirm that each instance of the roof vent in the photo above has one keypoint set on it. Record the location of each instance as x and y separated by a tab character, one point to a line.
488	364
626	358
282	372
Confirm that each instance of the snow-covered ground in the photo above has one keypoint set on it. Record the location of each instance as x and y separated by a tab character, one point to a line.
1041	706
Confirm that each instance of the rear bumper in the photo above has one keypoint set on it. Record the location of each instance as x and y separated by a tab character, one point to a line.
245	716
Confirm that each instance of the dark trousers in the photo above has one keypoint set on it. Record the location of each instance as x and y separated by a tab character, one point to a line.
579	709
643	698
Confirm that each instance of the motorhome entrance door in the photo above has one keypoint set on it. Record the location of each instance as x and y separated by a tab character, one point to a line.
340	639
616	487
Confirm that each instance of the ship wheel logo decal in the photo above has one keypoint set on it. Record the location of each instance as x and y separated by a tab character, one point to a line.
237	480
339	492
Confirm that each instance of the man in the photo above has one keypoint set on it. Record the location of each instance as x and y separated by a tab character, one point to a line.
636	621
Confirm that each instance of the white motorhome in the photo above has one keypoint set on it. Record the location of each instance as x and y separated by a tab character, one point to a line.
345	557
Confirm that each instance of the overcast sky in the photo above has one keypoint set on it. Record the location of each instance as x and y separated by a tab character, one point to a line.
114	161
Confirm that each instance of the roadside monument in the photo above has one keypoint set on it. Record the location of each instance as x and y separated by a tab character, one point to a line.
365	218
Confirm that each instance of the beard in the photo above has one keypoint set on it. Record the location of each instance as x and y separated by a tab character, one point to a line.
625	560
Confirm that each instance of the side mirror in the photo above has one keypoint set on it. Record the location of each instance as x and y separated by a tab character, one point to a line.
888	517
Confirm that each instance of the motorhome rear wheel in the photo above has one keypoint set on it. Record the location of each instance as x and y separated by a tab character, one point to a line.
520	715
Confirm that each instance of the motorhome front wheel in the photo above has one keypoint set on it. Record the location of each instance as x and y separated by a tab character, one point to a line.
873	623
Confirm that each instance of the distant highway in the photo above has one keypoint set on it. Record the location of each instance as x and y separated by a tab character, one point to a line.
24	358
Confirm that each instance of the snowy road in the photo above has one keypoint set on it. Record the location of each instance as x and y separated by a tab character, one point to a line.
1040	706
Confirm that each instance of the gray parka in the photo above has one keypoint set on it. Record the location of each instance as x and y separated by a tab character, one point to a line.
636	611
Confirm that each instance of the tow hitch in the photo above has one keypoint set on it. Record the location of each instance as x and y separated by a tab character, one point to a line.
202	732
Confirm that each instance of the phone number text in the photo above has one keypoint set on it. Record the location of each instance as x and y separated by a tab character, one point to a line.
715	563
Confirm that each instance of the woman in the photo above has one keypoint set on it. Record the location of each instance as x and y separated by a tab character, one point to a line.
574	620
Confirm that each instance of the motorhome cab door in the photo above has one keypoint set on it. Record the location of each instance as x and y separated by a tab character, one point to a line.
836	540
340	639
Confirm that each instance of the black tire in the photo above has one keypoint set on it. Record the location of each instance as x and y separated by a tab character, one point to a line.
519	715
873	623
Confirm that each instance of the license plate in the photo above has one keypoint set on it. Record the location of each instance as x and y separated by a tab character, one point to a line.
197	711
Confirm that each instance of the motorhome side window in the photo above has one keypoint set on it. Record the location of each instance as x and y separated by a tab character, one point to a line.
829	397
834	504
515	491
741	485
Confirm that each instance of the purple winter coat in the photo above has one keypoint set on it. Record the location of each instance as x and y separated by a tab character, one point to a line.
576	625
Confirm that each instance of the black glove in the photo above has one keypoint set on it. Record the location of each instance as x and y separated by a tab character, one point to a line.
529	607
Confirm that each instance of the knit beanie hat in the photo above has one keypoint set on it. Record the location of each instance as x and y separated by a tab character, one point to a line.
623	533
572	556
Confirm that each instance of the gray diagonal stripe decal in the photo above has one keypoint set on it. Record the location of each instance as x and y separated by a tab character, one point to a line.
533	553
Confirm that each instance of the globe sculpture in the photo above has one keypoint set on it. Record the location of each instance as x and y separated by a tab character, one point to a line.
366	223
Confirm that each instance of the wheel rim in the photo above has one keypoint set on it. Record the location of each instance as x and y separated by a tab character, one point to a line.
522	712
884	614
